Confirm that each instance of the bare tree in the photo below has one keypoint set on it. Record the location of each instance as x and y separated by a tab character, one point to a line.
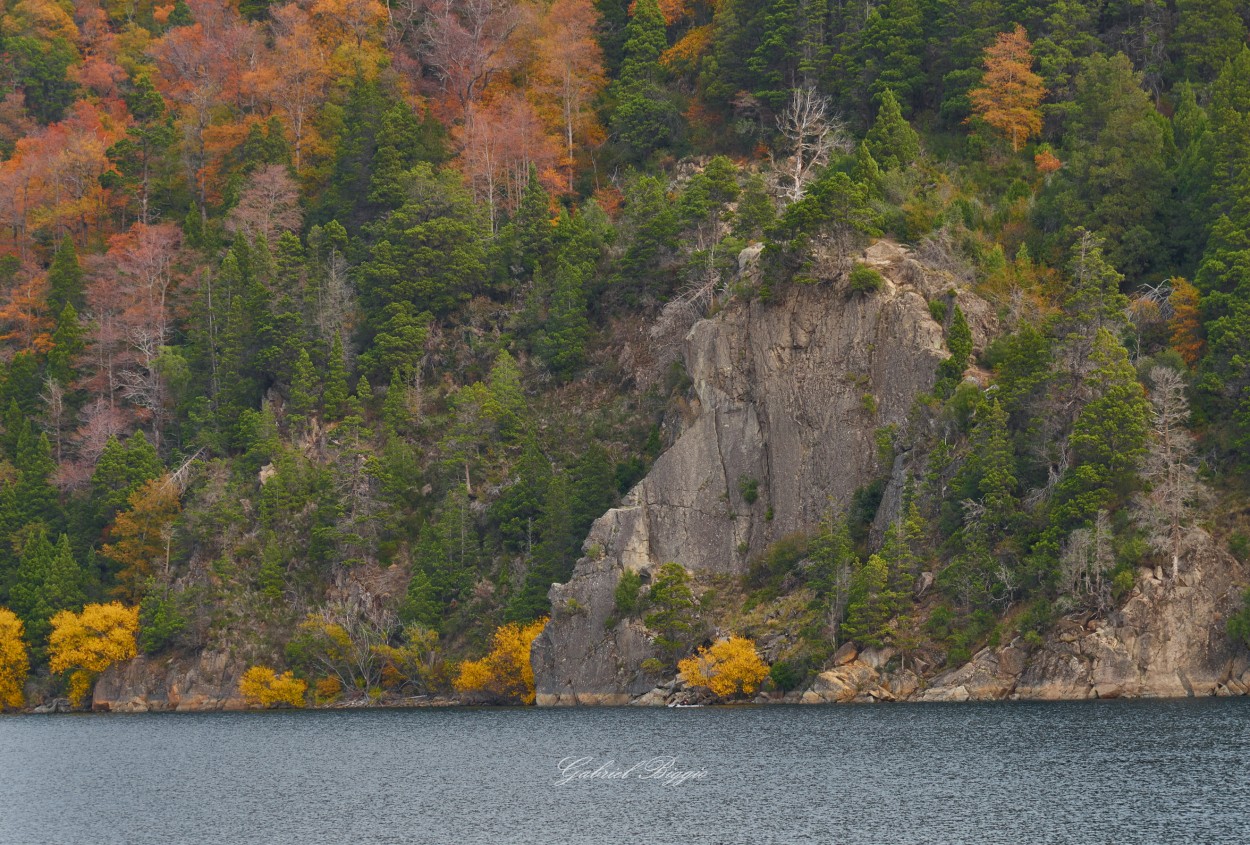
811	132
1086	559
268	206
1166	510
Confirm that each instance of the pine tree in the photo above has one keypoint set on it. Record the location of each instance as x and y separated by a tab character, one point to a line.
1108	438
553	557
65	278
337	398
644	118
302	401
420	603
594	487
48	580
1115	181
890	51
1208	33
519	506
68	344
562	342
35	497
123	467
891	141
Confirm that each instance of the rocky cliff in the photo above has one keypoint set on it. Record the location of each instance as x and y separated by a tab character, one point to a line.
1166	641
208	680
790	396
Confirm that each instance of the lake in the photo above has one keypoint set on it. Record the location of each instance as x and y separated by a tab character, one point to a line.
1010	772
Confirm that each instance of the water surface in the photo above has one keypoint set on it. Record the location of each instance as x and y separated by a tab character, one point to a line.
1010	772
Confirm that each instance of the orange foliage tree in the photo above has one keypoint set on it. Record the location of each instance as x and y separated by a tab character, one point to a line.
143	534
1186	322
25	324
568	75
498	143
50	186
1010	94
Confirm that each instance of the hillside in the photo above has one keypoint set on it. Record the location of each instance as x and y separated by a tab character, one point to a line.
908	338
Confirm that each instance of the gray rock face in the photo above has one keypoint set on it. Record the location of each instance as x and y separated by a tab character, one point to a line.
790	395
1167	641
206	681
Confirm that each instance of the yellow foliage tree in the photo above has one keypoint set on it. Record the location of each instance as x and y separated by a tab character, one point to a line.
143	534
14	664
505	674
417	664
1011	94
729	667
89	642
262	685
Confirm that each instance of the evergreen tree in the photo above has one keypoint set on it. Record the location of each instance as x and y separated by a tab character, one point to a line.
553	557
562	342
1208	33
303	392
65	278
519	506
891	141
594	487
420	603
1116	180
337	398
890	54
68	344
644	118
123	467
48	580
1108	438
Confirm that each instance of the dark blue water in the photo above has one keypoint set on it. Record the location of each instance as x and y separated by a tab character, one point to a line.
1095	772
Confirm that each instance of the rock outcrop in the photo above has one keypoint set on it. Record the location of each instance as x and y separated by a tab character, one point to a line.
1167	641
205	681
790	395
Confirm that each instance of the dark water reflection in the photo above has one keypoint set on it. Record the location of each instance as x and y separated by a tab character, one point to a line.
1094	772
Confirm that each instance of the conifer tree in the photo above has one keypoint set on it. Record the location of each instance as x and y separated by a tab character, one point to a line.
65	278
891	141
644	118
303	392
337	398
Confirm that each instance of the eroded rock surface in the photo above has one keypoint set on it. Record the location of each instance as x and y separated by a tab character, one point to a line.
206	681
790	396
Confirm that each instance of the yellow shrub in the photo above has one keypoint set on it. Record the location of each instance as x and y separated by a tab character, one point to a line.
262	685
14	664
505	673
327	689
729	667
90	642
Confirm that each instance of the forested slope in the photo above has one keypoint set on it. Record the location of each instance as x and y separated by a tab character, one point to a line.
328	328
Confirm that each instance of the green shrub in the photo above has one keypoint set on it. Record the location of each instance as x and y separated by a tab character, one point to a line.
749	488
1239	545
1239	622
786	676
864	279
626	595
